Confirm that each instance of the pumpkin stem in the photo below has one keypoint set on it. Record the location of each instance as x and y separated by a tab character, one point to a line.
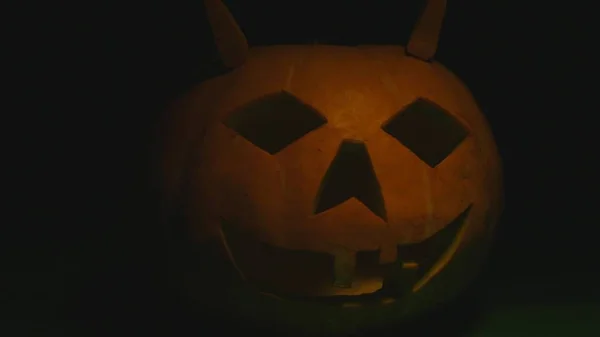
425	36
229	38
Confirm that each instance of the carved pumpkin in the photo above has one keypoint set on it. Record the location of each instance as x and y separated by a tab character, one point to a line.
335	179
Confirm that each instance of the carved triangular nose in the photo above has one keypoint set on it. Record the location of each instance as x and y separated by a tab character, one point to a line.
351	175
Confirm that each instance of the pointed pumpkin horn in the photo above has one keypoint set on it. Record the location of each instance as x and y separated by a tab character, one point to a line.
425	36
229	38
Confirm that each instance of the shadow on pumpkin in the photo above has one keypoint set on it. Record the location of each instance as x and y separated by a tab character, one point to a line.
455	319
209	311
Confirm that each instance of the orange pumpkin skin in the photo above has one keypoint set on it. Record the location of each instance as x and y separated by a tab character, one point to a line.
264	198
281	244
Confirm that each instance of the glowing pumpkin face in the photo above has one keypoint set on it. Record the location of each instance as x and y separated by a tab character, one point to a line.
340	175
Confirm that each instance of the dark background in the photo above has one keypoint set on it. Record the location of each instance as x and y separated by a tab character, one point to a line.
96	265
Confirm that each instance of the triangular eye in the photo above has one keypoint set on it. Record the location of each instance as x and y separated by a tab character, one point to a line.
274	121
426	129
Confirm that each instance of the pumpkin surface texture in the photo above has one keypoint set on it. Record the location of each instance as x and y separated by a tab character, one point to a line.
330	188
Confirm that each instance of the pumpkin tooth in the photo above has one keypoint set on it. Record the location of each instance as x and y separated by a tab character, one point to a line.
344	265
388	254
410	265
388	300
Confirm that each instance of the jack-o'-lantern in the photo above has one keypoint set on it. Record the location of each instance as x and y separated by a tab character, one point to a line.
356	184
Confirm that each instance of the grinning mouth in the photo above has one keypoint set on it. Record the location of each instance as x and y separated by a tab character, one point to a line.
340	278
